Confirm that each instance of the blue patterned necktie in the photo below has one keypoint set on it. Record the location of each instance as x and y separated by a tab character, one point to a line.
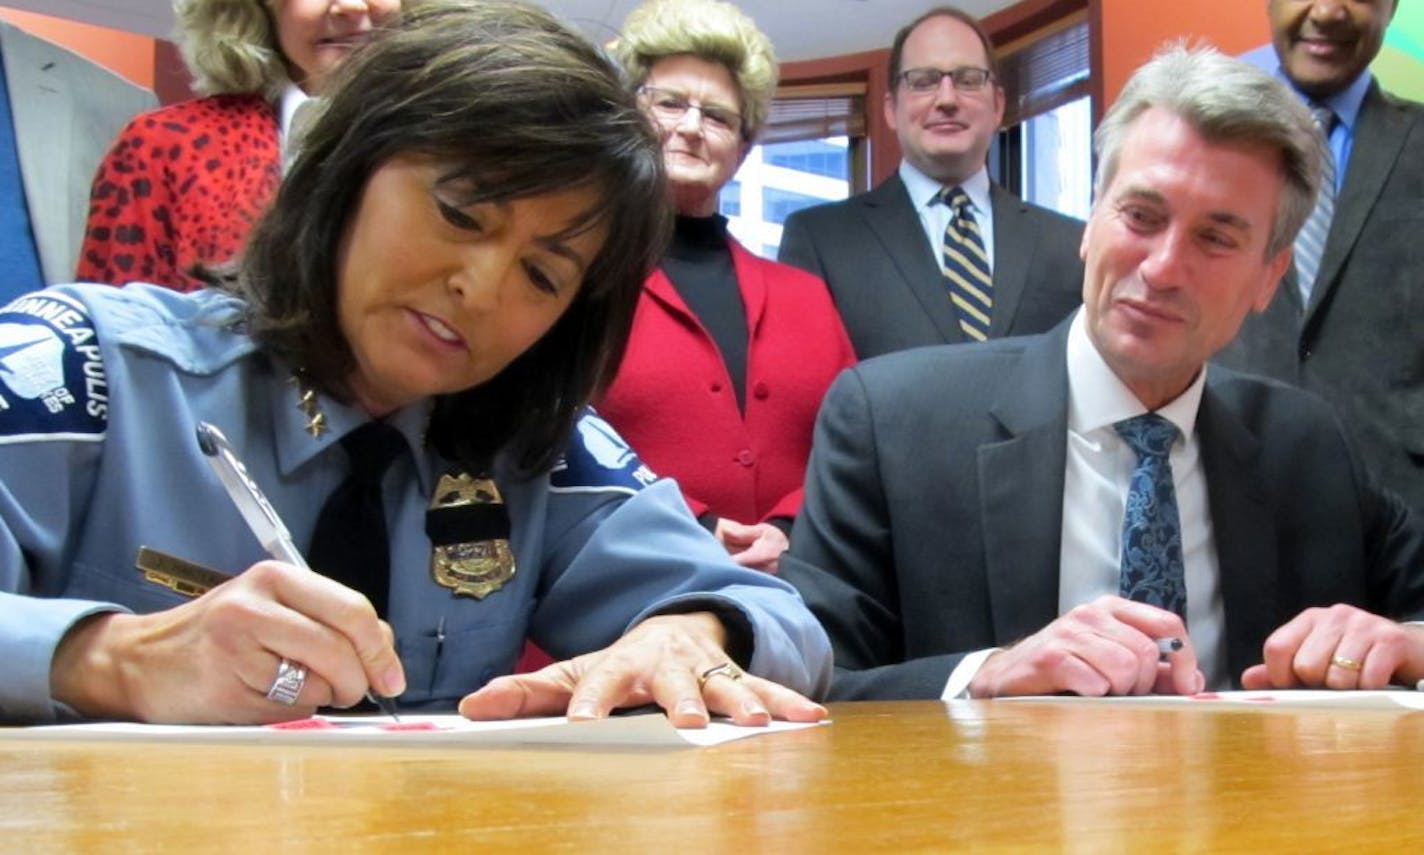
1151	527
1310	242
966	266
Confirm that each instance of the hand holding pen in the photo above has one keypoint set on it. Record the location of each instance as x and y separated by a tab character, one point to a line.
1111	646
291	677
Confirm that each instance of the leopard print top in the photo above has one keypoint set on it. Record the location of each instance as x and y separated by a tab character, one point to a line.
182	185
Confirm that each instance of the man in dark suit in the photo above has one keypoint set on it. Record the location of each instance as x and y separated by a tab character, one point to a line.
978	522
881	252
1355	333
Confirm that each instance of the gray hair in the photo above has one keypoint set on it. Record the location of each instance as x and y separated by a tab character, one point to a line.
1225	100
707	29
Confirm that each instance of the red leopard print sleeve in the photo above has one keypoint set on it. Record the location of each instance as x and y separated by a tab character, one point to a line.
181	185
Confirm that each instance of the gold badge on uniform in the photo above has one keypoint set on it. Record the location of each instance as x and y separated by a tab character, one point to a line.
469	527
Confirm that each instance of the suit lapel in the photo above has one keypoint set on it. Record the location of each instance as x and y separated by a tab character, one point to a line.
751	283
1242	526
1013	249
40	104
1379	143
1021	490
890	215
661	289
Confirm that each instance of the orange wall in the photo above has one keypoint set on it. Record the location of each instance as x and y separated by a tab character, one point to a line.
128	54
1129	31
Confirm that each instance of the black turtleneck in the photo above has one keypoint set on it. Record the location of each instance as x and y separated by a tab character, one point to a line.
699	264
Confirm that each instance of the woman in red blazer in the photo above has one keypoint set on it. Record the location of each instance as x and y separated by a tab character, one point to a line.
182	185
730	353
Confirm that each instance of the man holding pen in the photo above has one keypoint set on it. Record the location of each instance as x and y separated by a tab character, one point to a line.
1047	514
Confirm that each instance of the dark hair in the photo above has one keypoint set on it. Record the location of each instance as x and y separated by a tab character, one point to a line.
897	47
515	105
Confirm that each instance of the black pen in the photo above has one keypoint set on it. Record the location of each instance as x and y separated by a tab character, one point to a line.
261	517
1166	647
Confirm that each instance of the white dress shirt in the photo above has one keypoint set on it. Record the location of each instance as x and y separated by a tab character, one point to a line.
1095	484
934	215
293	100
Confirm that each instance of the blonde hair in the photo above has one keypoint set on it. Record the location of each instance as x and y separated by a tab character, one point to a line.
710	30
230	47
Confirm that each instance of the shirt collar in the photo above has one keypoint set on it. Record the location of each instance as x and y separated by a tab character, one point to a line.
292	98
1098	399
1345	104
923	189
296	446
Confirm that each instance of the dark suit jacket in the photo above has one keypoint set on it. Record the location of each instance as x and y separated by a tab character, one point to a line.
1360	342
885	277
933	511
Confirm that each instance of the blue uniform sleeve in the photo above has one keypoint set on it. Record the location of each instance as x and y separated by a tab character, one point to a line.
53	411
620	549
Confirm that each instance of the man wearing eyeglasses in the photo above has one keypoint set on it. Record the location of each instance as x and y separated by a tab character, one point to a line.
938	253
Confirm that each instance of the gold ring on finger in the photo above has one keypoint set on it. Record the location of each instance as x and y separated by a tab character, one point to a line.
725	669
1345	664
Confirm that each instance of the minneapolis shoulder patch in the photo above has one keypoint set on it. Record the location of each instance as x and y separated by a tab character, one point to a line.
52	381
598	460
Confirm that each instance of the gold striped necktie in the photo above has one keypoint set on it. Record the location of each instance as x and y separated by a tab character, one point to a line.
966	266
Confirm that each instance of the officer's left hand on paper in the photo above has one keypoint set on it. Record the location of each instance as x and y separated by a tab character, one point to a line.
659	661
213	659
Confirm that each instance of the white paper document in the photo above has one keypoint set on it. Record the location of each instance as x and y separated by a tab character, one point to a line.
650	730
1397	700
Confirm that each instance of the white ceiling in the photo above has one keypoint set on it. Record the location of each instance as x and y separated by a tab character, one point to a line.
800	29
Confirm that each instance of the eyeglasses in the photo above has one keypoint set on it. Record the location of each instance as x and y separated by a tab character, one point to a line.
669	106
966	78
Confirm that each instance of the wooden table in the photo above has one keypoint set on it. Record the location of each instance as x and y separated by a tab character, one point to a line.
885	776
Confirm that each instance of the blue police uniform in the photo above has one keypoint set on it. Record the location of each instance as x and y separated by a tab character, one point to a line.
100	392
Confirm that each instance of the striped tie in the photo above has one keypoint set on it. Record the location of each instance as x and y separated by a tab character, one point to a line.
966	267
1310	243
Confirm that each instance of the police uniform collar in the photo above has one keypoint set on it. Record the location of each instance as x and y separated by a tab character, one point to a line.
296	445
144	316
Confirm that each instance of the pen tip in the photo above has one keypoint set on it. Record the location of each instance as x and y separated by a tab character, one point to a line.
385	705
205	439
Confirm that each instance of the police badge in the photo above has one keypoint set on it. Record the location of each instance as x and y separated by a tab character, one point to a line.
469	528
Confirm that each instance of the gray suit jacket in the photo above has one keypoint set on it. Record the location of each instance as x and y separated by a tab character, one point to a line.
1360	342
933	513
885	277
66	112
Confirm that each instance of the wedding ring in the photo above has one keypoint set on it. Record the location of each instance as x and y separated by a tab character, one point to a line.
726	669
1346	664
290	679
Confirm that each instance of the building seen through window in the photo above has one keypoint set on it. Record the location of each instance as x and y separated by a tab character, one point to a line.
1058	159
779	178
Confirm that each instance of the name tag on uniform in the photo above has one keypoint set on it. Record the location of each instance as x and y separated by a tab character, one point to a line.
468	526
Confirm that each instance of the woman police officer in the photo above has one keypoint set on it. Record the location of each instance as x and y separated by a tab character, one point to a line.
456	256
